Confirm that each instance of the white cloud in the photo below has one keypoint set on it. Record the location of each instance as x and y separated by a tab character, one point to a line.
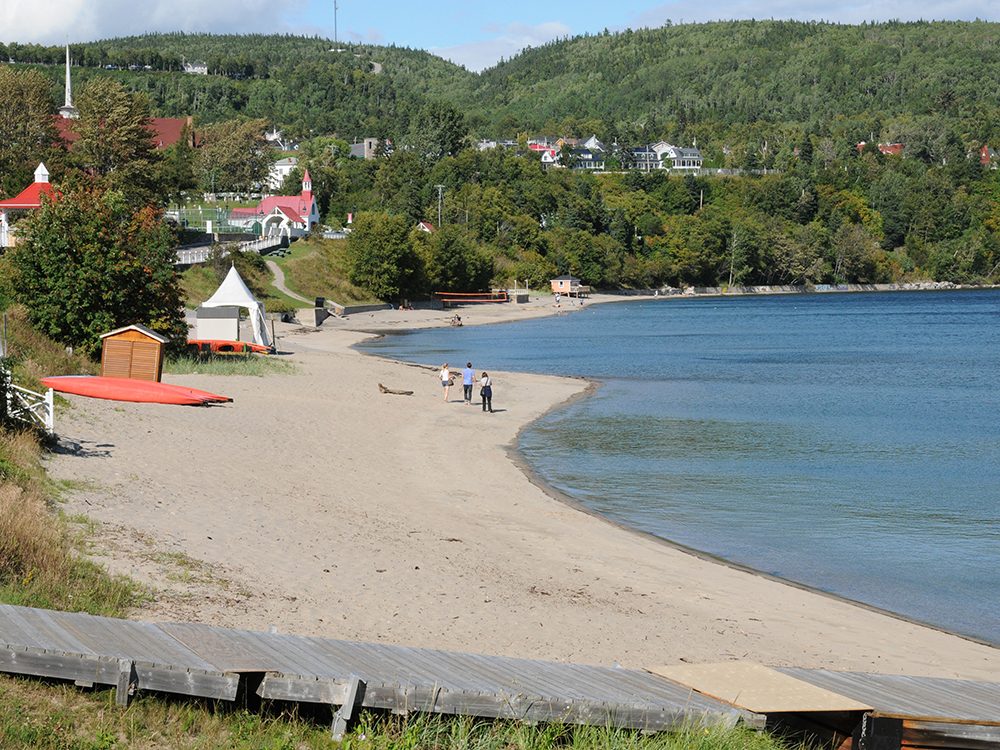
56	21
508	41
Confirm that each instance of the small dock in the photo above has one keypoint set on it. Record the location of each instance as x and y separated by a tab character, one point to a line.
200	660
847	710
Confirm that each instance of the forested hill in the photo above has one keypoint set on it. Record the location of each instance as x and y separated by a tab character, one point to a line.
300	84
718	82
740	72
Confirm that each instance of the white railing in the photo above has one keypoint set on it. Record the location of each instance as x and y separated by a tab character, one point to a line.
188	256
36	409
262	245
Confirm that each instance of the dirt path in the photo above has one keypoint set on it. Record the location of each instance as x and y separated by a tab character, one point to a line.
279	283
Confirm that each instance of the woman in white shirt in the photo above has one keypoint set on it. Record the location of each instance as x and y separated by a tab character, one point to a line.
445	379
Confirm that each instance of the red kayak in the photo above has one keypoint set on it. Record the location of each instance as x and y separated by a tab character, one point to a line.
220	346
126	389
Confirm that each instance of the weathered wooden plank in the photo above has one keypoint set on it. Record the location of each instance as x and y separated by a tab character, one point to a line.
193	682
927	698
82	667
36	628
930	734
232	650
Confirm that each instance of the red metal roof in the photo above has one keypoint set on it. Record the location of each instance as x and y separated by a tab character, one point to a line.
30	197
166	131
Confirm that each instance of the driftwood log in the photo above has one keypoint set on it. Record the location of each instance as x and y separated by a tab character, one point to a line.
383	389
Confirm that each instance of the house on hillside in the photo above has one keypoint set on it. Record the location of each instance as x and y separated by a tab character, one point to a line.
642	158
426	226
195	68
279	171
988	157
678	157
281	215
28	199
585	160
370	148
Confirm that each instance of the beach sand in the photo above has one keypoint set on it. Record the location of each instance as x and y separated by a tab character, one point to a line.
318	505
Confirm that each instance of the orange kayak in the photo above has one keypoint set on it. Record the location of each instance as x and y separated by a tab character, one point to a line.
220	346
126	389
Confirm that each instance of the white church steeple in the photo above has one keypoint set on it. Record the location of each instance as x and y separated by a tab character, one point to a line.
67	110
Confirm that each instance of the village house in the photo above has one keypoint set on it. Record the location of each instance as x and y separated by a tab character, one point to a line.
569	286
29	199
585	160
281	215
370	148
279	171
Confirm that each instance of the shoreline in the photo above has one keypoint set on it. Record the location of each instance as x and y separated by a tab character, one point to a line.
319	506
517	458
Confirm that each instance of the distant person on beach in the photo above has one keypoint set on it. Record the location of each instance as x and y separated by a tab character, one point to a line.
486	391
558	298
445	379
468	381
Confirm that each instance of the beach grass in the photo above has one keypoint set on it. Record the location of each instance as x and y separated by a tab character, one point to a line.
40	714
32	355
318	267
41	560
255	365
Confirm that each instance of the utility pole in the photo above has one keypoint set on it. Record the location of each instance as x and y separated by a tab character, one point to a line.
336	41
440	189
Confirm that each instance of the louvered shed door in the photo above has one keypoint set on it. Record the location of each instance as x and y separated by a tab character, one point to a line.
122	358
116	358
145	360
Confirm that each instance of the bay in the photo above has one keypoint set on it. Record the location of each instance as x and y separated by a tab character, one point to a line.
846	442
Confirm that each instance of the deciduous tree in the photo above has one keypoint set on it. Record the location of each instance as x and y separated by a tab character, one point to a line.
116	143
87	264
27	130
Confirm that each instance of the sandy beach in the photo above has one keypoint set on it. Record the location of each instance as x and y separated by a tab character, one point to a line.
318	505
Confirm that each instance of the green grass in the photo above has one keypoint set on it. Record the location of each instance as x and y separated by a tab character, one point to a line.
34	356
318	268
41	553
199	282
228	364
35	714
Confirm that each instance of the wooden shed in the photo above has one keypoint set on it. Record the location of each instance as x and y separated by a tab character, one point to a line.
132	352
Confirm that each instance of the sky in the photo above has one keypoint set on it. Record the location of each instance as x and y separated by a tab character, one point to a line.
472	33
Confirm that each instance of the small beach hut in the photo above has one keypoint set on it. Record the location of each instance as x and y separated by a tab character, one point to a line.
132	352
233	292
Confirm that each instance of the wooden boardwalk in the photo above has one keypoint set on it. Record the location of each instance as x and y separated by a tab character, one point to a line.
200	660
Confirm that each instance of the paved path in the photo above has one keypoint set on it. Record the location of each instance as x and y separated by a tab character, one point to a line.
279	283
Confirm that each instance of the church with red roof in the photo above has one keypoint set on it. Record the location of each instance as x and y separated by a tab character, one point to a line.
27	200
277	215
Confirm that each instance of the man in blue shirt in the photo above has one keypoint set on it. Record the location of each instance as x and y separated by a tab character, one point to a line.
468	379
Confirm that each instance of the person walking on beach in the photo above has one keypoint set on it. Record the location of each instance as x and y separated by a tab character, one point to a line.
468	381
445	379
486	391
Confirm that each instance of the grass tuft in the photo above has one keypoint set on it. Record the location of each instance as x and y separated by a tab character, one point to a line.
35	714
255	365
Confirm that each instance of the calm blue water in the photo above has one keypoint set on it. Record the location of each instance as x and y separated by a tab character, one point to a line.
848	442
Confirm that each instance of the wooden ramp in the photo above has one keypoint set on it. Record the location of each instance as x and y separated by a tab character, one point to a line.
856	709
205	661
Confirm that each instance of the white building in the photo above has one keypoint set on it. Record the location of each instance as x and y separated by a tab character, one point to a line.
279	171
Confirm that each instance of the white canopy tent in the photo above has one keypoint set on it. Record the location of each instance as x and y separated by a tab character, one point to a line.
233	292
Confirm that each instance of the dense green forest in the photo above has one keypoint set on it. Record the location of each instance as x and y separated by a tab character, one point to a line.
713	82
783	105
